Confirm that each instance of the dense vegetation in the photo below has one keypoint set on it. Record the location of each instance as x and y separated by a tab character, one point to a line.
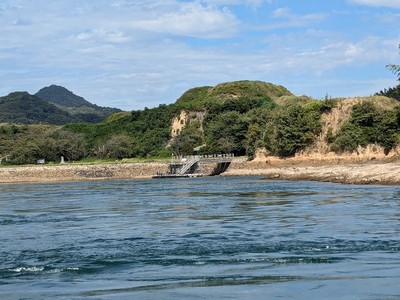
392	92
369	124
24	144
23	108
75	105
51	105
240	96
239	117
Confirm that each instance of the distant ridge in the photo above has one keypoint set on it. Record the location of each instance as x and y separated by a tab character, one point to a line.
75	105
61	96
51	105
23	108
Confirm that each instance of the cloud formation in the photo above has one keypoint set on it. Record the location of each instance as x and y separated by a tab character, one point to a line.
379	3
192	20
136	54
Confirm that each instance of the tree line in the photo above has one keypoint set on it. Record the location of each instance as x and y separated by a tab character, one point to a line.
239	118
282	129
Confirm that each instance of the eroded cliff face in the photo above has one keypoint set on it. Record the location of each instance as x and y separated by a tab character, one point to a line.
319	151
331	121
179	123
362	154
186	118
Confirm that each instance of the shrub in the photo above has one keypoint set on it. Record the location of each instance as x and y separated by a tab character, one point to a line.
349	138
293	129
368	124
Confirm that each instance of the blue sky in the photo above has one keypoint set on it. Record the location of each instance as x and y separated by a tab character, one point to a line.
133	54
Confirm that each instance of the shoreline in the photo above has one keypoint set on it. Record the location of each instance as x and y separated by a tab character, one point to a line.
379	173
348	172
76	172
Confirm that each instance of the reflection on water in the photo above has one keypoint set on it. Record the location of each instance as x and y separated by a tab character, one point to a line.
233	238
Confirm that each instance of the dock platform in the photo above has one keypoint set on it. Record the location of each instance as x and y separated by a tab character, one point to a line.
187	167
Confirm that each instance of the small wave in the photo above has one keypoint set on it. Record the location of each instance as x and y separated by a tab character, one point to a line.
73	269
12	219
27	269
37	270
29	217
239	259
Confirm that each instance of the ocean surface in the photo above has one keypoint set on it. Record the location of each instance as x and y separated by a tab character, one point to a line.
200	238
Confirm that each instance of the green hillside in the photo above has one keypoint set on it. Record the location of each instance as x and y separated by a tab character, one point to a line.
75	105
23	108
61	96
234	117
249	93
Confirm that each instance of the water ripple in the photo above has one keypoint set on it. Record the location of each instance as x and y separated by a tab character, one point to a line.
182	237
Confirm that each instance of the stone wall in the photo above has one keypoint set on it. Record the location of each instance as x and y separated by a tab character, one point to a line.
80	172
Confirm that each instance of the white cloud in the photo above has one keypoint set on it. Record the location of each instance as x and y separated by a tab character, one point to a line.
132	54
378	3
193	20
286	18
251	3
106	35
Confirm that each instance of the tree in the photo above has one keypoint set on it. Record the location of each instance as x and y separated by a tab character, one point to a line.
253	139
118	146
392	92
295	127
184	143
364	114
190	137
368	124
151	142
395	69
226	133
388	130
349	138
70	145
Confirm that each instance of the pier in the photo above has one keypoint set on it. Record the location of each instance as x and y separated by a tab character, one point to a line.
188	166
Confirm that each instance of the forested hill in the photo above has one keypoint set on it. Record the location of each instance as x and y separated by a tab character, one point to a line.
238	95
234	117
23	108
51	105
75	105
62	96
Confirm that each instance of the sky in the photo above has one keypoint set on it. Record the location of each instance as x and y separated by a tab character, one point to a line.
133	54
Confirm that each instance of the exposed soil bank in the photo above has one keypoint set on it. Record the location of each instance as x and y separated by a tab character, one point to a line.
364	172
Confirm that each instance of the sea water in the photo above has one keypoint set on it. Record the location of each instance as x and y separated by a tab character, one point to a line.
199	238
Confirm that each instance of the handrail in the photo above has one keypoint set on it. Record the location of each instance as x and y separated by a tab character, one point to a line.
188	164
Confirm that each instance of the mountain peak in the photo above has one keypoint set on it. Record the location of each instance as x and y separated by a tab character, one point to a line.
23	108
75	105
61	96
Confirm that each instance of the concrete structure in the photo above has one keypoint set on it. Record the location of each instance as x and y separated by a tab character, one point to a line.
188	166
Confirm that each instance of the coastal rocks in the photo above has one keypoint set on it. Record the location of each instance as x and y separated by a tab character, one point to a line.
99	173
369	172
372	172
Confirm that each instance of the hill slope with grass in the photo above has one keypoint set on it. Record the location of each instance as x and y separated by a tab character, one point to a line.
245	92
